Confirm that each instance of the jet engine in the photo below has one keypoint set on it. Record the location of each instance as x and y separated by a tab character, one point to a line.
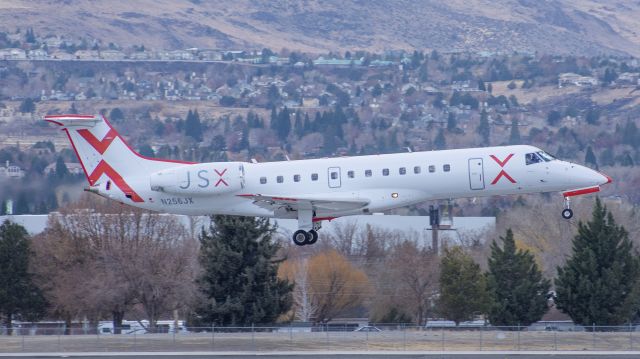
199	179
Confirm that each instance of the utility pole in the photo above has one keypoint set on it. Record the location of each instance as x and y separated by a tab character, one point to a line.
434	221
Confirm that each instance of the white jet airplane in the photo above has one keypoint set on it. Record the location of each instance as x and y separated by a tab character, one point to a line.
315	190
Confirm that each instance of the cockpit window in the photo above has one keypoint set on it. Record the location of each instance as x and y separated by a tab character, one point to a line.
532	158
545	156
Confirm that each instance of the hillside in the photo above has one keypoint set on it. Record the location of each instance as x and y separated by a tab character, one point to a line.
585	27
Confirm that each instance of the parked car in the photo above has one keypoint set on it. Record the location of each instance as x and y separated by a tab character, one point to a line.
367	328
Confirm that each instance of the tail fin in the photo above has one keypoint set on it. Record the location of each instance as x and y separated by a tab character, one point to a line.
104	154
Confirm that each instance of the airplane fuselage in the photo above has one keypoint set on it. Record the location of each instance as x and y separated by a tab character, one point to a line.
386	181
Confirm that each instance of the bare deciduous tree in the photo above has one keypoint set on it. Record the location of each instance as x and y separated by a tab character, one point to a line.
111	259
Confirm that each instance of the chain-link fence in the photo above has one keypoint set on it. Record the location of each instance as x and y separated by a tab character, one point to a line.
293	338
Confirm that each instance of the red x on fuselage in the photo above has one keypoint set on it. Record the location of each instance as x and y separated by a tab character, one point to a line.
502	172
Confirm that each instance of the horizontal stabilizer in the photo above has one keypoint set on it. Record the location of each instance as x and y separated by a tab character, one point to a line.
75	121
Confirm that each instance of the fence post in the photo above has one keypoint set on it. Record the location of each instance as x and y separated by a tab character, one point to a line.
593	331
630	338
443	338
481	329
253	338
22	337
367	339
404	337
213	335
326	330
518	336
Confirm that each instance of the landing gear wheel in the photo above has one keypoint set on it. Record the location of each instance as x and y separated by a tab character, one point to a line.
314	237
567	213
301	237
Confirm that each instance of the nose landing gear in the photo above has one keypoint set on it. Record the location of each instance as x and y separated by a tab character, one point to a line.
567	213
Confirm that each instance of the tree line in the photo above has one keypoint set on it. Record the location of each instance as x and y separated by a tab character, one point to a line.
112	262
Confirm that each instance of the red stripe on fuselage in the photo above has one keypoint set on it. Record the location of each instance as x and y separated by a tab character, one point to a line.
580	192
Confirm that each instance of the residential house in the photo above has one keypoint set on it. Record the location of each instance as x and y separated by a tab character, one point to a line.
112	55
571	79
87	55
628	78
310	102
38	54
73	167
11	171
210	55
13	54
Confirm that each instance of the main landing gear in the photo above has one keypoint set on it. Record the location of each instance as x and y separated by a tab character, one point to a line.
567	213
302	237
308	232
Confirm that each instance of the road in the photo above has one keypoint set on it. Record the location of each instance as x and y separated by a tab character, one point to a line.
330	354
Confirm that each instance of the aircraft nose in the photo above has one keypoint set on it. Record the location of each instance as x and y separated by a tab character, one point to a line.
604	179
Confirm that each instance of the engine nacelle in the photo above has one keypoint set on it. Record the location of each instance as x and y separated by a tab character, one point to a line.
199	179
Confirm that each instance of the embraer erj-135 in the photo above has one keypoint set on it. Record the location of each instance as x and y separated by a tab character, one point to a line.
316	189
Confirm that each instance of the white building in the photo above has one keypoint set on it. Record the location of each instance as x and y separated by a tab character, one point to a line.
10	171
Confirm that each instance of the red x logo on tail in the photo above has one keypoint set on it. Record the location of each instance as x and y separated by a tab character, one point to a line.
502	173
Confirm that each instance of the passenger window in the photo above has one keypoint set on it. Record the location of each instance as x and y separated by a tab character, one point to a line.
263	180
446	168
334	175
351	174
385	171
416	169
432	168
403	170
279	179
367	173
314	176
296	178
532	158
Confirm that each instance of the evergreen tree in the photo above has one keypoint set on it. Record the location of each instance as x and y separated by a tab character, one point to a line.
30	37
590	158
631	136
22	204
593	116
514	137
20	298
62	172
452	123
299	125
146	150
554	117
463	289
484	128
440	141
283	124
481	85
27	106
600	283
517	289
239	280
192	125
116	115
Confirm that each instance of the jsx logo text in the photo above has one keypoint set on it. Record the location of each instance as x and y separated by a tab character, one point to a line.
204	179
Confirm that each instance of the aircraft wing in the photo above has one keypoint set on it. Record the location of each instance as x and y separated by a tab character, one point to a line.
275	203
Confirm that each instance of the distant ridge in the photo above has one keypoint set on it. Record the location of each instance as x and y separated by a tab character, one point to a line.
581	27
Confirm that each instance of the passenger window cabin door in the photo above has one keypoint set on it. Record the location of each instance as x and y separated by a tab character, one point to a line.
476	174
334	177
